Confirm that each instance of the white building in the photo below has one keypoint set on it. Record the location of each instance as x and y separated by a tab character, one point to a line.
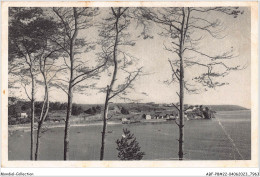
148	117
124	119
24	115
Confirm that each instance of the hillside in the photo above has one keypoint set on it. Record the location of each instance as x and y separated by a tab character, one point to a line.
226	107
93	112
148	107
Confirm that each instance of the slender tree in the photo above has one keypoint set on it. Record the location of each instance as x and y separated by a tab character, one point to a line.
114	35
72	21
48	71
184	28
37	49
23	47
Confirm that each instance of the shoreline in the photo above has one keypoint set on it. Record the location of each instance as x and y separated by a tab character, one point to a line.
26	127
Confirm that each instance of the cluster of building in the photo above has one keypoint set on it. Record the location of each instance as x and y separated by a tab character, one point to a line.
23	115
191	112
149	117
159	116
197	112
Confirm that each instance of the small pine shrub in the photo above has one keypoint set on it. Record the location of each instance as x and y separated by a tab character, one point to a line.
128	148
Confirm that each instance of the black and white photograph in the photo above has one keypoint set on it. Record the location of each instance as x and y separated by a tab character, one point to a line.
129	83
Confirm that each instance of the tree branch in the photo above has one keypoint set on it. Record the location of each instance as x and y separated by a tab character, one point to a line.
128	83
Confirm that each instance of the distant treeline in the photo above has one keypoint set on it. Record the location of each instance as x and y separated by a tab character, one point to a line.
227	107
24	107
16	107
19	107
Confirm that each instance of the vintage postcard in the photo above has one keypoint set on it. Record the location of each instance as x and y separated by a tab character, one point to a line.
129	84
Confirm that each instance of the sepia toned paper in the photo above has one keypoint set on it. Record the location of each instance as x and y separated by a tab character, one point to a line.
243	89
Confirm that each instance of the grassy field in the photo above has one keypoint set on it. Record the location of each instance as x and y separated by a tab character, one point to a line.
228	137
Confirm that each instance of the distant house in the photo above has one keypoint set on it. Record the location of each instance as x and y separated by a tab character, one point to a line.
172	116
197	117
148	117
23	115
155	116
116	109
190	110
125	121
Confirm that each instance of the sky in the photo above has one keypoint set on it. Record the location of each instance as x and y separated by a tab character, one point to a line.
154	60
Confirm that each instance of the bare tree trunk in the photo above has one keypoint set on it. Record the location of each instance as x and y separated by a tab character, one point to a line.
69	105
43	116
67	125
181	123
102	150
109	88
32	115
70	89
37	141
